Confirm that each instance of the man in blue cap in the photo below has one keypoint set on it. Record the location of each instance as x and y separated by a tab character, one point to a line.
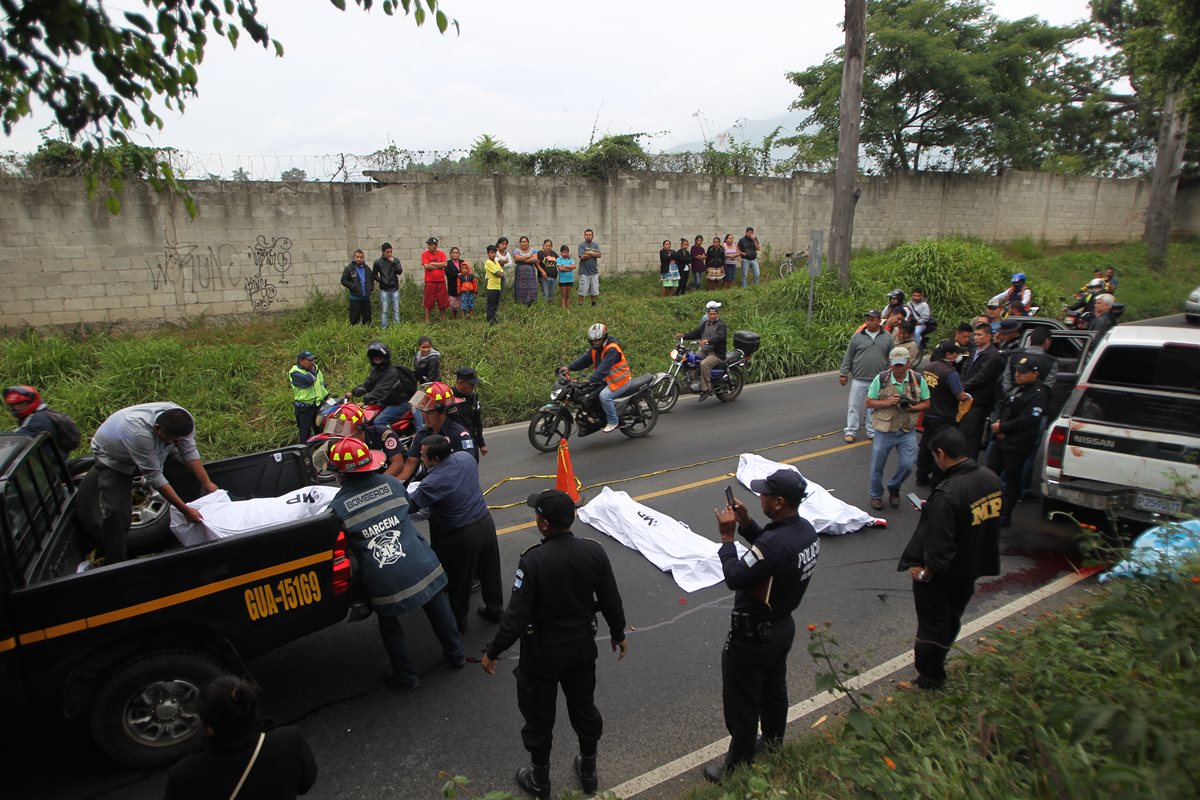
768	584
308	392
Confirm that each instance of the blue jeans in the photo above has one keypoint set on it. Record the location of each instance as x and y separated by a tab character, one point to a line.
747	265
609	405
390	414
856	406
389	299
906	443
549	287
391	631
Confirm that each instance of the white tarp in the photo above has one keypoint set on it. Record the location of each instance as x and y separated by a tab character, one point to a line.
224	517
666	542
826	513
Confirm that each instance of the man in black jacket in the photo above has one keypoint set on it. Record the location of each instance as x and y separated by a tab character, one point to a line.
469	412
768	583
945	394
387	384
1016	430
560	583
387	272
712	334
981	379
359	280
957	540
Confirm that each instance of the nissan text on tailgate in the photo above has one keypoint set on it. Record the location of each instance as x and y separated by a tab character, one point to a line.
1124	454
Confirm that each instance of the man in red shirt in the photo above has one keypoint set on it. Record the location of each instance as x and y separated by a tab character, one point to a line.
434	263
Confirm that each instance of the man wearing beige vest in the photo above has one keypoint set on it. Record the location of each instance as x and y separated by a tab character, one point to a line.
897	395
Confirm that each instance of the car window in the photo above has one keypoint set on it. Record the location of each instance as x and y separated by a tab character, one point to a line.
1155	412
1156	367
1067	347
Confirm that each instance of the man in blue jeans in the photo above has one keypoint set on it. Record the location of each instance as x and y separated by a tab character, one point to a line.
607	360
748	250
897	395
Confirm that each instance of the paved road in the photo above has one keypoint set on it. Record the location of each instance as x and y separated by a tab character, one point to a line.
663	700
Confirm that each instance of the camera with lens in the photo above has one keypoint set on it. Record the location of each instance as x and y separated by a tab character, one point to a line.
905	404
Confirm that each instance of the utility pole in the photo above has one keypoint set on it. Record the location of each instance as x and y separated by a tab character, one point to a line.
845	188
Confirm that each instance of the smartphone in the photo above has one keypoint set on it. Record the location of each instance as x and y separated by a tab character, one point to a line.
729	496
917	502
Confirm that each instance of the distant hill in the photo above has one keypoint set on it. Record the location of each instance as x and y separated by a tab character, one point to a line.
751	130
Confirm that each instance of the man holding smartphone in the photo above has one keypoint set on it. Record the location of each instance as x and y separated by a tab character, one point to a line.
768	582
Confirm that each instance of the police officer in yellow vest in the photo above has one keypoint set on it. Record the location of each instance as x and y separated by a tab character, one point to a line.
308	392
896	398
607	360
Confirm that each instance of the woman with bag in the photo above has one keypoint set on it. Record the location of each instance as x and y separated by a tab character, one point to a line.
668	270
246	756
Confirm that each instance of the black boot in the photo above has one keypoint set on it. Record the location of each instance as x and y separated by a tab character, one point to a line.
535	780
585	768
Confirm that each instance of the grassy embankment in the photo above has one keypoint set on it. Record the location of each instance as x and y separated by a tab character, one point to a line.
232	377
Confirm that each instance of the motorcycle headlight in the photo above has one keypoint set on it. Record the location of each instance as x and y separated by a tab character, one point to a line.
674	354
557	392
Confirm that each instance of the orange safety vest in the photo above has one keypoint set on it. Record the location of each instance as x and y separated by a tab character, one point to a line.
618	376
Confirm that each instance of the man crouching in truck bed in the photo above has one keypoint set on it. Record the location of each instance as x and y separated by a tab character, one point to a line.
151	438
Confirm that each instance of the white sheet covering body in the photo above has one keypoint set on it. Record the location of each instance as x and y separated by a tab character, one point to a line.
666	542
826	513
224	517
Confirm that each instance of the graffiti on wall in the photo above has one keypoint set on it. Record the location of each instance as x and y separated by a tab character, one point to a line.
192	268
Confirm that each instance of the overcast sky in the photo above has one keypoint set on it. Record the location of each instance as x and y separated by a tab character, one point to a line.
533	73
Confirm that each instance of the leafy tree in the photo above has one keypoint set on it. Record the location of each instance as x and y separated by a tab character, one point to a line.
490	155
137	59
295	174
239	174
948	85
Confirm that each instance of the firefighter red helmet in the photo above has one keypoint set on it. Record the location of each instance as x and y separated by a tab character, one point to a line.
352	455
438	396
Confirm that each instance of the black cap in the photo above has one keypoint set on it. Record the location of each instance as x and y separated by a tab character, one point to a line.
874	312
1027	364
467	374
431	240
306	354
944	349
785	483
1010	325
555	506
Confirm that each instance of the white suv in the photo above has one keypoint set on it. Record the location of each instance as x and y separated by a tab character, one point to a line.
1124	453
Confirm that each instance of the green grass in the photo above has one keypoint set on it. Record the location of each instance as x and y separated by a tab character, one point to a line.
233	377
1095	702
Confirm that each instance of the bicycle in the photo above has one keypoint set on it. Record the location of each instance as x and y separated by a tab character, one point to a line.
789	264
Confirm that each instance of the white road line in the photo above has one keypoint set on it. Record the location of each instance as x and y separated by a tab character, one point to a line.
709	752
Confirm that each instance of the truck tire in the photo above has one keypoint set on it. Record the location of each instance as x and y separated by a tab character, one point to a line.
145	713
150	531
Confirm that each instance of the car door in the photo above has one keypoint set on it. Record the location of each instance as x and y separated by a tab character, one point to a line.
1070	350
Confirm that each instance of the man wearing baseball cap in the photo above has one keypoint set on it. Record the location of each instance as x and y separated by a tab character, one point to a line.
712	333
768	583
866	355
433	262
559	584
1016	430
308	392
946	396
469	411
896	396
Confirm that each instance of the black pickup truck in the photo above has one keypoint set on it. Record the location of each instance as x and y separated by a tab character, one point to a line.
130	644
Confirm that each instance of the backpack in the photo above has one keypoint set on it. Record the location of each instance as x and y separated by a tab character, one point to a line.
66	433
407	384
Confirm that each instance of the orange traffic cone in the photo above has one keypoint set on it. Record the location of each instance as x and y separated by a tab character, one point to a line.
565	480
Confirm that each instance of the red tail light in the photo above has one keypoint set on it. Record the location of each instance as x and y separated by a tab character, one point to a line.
1056	446
341	565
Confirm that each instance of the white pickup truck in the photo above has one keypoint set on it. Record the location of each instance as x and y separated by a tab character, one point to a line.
1124	453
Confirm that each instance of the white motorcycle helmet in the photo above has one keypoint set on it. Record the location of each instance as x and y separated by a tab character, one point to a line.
597	331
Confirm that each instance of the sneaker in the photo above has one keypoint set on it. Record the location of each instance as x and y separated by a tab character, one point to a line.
871	436
849	437
877	503
610	427
894	498
394	681
715	773
704	396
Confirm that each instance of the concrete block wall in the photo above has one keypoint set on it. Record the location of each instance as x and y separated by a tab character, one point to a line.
261	247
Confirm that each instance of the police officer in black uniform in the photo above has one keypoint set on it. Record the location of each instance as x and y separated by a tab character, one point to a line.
957	539
1016	430
560	584
768	582
945	393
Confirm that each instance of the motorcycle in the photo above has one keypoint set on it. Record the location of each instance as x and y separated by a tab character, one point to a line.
683	376
577	404
1079	319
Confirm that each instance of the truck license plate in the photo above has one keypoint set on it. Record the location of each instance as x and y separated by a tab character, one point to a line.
1161	505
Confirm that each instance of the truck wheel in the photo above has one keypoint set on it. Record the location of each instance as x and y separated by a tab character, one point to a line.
145	714
150	531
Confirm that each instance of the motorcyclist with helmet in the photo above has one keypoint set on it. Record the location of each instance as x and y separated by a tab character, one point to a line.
390	385
34	416
712	333
1017	292
349	419
436	400
895	305
1085	298
609	365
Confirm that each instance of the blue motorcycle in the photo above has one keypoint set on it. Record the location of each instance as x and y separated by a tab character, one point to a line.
683	376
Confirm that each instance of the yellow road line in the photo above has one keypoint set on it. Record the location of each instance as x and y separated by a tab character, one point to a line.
706	481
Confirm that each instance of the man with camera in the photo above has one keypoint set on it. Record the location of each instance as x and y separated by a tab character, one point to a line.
768	583
897	395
